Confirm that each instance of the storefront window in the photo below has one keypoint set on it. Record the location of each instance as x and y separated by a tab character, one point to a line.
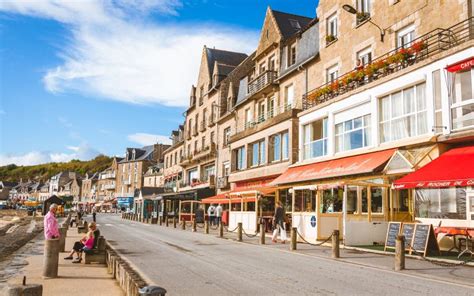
376	199
462	102
364	199
401	200
332	200
305	200
236	206
250	206
285	199
352	200
441	203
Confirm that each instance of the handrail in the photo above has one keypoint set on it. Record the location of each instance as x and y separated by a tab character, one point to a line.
431	43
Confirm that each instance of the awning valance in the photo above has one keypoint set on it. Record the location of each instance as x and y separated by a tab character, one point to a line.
453	168
225	198
346	166
461	66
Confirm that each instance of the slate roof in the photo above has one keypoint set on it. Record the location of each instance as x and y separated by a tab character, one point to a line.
9	184
224	69
290	24
224	57
140	153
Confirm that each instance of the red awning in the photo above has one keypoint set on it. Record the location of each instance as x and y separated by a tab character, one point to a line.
352	165
453	168
224	198
462	65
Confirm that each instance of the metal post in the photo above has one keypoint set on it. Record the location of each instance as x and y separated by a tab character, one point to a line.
51	258
221	230
174	222
167	222
400	253
206	227
293	239
262	233
194	225
239	231
183	225
62	238
335	244
160	220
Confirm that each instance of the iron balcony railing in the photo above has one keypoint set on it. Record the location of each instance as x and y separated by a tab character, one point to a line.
262	81
265	117
425	46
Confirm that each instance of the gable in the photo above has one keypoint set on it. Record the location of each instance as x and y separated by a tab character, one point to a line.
269	34
204	76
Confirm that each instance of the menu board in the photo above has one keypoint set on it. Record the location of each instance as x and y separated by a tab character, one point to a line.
407	230
424	239
392	232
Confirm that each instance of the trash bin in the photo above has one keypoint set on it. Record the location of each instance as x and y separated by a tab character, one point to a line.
152	291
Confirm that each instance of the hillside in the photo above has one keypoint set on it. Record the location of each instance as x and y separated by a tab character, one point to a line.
44	171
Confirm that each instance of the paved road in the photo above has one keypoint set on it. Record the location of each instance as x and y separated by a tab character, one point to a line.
187	263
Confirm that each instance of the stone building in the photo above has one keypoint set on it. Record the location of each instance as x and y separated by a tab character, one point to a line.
89	187
106	183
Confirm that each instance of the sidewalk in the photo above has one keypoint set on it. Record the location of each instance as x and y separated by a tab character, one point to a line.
74	279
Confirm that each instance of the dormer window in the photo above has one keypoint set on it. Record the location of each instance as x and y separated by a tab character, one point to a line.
133	154
127	156
295	24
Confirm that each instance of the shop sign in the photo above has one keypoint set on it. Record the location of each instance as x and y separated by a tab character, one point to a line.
461	66
313	221
253	184
435	184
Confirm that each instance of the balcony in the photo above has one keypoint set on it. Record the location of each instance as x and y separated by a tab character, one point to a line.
262	118
108	176
188	134
127	182
223	182
209	181
202	126
422	48
109	186
211	122
261	82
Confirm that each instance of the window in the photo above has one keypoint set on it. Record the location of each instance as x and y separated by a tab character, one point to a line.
201	95
291	54
331	27
365	56
193	175
261	111
240	158
204	113
405	36
352	200
212	137
315	139
462	101
363	6
279	147
438	122
305	200
403	114
226	168
332	200
289	96
209	171
441	203
376	199
195	146
332	74
262	68
258	153
271	107
203	143
248	117
271	63
226	136
353	133
176	157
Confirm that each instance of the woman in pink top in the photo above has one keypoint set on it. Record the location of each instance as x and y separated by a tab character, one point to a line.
85	244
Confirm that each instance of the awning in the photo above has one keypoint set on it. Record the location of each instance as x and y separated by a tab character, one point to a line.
225	198
461	66
352	165
453	168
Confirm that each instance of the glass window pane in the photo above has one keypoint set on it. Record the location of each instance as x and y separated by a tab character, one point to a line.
376	202
348	125
356	139
351	200
422	123
339	128
385	108
364	200
255	151
332	200
358	122
420	97
408	100
462	87
339	143
463	116
285	146
276	147
262	152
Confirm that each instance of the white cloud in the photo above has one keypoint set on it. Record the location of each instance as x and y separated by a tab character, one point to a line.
114	53
82	152
148	139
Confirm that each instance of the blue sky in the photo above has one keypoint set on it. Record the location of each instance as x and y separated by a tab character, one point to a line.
79	78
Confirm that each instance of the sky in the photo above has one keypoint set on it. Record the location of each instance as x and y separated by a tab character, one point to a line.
80	78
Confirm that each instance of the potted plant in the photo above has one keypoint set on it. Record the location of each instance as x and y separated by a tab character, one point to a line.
359	75
330	38
362	16
382	65
335	86
419	46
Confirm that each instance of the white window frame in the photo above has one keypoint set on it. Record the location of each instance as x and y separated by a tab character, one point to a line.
402	33
308	131
330	71
290	95
366	125
462	103
332	30
363	53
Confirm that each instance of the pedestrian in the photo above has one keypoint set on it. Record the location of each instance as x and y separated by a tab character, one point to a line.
279	223
211	212
51	229
218	214
94	213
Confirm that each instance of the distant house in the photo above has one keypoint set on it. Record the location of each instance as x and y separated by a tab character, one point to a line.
60	180
89	187
154	176
44	192
5	188
106	183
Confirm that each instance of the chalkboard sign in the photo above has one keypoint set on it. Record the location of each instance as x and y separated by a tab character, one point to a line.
392	232
424	240
408	229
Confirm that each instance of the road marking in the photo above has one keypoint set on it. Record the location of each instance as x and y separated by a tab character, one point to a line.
109	224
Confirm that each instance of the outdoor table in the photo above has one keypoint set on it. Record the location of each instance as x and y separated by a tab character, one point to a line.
454	232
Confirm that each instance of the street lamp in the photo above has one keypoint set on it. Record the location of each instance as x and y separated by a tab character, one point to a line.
352	10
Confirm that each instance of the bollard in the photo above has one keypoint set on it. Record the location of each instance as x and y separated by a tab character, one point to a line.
335	244
174	222
293	238
62	238
183	225
239	231
160	220
51	258
400	253
262	233
221	230
206	227
194	225
167	222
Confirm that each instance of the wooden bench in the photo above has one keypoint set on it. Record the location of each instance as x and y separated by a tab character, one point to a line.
97	254
83	227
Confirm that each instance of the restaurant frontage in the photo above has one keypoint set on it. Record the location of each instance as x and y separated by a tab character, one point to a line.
168	204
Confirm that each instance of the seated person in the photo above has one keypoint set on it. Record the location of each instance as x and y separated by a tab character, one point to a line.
87	243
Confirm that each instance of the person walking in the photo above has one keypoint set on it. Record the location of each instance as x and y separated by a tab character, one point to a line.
279	223
211	212
51	229
94	213
218	214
